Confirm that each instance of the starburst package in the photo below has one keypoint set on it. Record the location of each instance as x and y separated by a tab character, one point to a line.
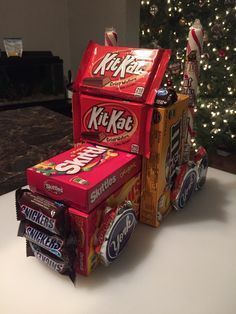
84	176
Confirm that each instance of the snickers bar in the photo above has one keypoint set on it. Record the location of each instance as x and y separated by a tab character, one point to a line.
56	264
42	211
52	243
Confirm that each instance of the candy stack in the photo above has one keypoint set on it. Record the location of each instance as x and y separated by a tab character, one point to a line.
45	225
83	204
89	179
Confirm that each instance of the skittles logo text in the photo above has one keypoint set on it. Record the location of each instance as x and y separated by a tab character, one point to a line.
83	157
120	234
53	187
187	188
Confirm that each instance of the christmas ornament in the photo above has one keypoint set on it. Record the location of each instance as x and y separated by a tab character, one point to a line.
222	53
175	67
179	53
202	3
209	87
205	37
169	82
154	44
217	31
153	9
206	56
182	21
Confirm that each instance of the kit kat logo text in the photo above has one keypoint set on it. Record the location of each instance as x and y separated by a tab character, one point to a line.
119	66
113	121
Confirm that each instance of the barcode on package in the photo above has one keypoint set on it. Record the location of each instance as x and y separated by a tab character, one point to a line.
134	148
139	91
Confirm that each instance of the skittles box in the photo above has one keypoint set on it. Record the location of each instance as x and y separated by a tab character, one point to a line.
122	72
113	123
84	176
168	135
87	226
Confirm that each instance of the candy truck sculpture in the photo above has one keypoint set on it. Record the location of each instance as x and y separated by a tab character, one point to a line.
131	162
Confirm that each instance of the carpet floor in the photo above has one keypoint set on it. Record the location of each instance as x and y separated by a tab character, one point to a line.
30	135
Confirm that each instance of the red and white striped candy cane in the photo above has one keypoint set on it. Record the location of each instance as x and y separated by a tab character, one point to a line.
110	37
195	40
191	132
191	73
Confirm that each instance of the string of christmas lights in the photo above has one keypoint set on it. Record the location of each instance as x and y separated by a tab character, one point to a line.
166	24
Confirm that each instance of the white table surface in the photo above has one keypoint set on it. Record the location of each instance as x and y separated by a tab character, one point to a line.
188	265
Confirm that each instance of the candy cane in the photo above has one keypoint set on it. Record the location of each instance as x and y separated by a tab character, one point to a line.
195	40
191	73
110	37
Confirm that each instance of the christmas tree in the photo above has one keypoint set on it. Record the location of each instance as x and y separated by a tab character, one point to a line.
166	24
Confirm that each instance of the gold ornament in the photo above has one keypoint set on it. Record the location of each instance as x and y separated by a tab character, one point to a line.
182	21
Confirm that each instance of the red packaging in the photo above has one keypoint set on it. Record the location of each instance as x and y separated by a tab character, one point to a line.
122	72
87	225
84	176
113	123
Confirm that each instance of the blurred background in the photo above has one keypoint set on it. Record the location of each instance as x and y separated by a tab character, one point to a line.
35	105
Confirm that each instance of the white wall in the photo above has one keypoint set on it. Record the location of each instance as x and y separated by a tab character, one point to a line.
88	19
66	26
42	24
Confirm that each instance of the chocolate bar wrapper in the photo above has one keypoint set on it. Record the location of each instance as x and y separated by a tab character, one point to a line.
42	211
121	72
56	264
57	246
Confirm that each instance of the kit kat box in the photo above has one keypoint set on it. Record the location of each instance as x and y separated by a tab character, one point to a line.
122	72
114	123
84	176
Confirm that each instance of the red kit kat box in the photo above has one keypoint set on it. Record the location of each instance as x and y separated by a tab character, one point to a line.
122	72
84	176
113	123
